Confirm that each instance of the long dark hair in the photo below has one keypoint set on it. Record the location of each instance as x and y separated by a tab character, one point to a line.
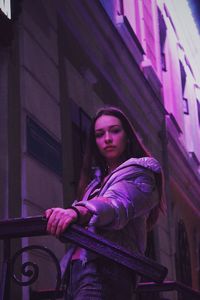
93	158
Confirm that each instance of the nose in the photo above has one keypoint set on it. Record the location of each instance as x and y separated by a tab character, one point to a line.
108	138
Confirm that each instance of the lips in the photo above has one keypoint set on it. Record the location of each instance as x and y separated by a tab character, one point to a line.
108	148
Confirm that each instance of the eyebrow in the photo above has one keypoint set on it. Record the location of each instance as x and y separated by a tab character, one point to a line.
109	127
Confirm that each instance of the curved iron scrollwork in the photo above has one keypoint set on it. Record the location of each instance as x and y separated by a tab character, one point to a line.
30	269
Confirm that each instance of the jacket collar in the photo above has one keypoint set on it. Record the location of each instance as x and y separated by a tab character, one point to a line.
145	162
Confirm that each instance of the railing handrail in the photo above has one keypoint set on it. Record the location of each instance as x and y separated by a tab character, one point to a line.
23	227
168	285
34	226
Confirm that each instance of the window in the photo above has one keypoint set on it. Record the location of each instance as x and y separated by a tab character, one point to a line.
162	34
183	83
182	256
43	147
129	9
183	77
80	127
133	35
149	32
150	249
150	252
185	106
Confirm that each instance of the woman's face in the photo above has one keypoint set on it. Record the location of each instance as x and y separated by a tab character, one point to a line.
111	138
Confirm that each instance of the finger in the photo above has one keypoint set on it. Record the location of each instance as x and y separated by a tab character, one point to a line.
62	226
59	220
48	212
58	230
53	227
52	222
64	222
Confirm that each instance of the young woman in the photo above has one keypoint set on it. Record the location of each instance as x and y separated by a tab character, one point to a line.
121	203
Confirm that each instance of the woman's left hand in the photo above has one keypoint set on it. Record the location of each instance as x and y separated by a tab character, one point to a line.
59	219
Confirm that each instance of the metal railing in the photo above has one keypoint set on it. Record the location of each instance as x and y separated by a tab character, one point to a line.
185	292
36	226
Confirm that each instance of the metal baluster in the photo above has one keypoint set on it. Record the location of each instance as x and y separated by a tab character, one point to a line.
5	274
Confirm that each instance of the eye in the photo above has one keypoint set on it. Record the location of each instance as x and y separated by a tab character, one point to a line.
99	134
115	129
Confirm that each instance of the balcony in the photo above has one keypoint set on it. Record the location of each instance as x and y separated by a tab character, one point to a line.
36	226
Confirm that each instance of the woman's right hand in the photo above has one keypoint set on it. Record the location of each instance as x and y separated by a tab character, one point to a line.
59	219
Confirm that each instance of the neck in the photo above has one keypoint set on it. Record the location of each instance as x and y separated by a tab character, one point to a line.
112	166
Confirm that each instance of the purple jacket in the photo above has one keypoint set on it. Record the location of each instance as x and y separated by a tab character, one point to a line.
131	193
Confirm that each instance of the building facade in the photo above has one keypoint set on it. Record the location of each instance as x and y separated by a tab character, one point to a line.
61	61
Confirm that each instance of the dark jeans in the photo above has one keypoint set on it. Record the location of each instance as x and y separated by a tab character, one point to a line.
99	279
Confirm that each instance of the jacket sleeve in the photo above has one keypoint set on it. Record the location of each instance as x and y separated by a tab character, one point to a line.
124	200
